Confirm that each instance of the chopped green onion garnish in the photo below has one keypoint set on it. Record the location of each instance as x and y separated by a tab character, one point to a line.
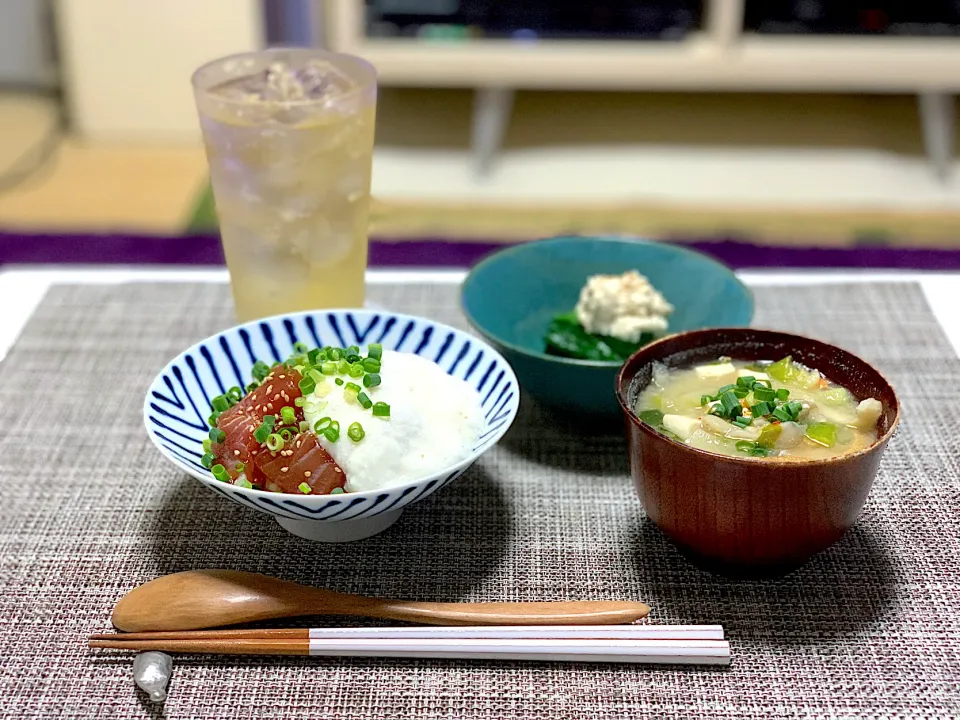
239	467
759	451
725	388
274	442
371	365
304	488
314	356
332	434
747	382
252	386
794	408
335	354
207	460
761	409
745	446
762	394
343	367
381	409
364	400
299	401
217	435
329	368
350	392
270	420
783	394
355	432
704	399
262	433
260	370
304	426
371	380
220	403
300	348
336	491
740	392
286	434
375	351
730	403
322	424
244	483
212	420
220	473
307	385
782	415
339	381
287	415
317	375
742	421
356	370
235	394
352	354
207	442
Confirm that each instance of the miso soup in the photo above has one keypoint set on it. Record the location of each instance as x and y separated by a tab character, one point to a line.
759	409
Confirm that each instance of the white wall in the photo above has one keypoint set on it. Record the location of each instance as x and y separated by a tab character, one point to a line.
127	63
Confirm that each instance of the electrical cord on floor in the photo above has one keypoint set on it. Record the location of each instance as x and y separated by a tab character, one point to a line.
37	156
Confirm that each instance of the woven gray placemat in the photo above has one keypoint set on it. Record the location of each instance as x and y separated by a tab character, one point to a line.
88	510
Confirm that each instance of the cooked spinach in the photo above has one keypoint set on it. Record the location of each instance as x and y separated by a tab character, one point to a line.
566	338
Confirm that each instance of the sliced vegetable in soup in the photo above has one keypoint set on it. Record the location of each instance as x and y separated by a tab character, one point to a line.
759	409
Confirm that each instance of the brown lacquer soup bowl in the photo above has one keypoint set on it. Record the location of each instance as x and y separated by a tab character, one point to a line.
749	516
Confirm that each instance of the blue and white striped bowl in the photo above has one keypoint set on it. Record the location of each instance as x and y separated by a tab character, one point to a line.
178	403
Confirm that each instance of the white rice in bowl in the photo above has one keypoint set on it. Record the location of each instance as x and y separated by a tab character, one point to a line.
435	421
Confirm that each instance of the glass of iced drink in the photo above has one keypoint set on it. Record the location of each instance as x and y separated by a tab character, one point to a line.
289	138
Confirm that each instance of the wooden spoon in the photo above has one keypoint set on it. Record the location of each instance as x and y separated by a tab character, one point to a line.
210	598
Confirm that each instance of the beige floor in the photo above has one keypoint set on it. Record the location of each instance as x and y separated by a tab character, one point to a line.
689	160
96	188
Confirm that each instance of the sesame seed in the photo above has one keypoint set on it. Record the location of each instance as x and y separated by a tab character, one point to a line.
269	388
284	469
306	473
277	396
299	443
338	470
282	377
236	452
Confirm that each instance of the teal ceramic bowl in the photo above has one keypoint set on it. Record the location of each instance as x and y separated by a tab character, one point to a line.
510	298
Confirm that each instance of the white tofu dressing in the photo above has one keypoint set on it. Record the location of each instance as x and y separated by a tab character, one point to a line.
622	306
434	422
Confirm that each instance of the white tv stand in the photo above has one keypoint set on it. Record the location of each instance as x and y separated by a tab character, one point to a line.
720	58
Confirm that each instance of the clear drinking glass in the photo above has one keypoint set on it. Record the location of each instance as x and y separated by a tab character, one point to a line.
289	139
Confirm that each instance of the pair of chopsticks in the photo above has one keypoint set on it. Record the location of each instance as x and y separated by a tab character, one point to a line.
665	644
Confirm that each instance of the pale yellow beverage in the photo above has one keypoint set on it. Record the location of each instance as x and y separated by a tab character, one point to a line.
289	138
